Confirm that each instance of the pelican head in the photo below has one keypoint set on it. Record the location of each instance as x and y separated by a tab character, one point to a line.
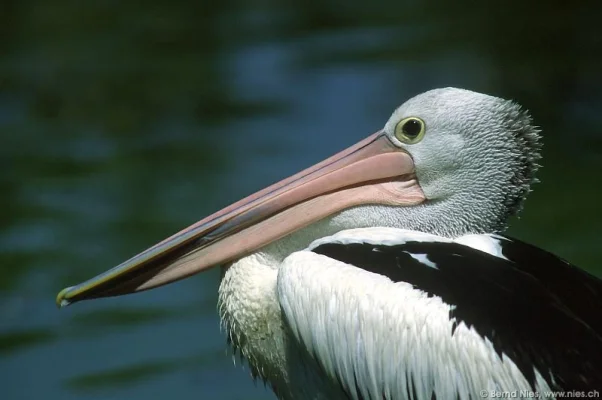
448	161
475	160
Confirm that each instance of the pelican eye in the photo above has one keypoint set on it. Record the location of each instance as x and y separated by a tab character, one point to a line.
410	130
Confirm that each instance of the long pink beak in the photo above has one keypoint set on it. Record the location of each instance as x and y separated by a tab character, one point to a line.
374	171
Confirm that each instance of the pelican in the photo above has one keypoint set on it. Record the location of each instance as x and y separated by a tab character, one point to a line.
382	272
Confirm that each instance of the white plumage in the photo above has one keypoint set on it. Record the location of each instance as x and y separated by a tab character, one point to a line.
359	326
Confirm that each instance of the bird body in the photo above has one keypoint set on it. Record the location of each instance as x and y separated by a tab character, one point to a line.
324	321
380	273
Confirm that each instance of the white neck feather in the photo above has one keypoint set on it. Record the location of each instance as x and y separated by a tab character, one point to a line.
252	318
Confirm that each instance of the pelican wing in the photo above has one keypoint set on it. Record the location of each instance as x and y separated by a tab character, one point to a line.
389	313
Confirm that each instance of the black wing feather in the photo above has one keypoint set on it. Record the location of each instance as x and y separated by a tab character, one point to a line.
535	308
574	287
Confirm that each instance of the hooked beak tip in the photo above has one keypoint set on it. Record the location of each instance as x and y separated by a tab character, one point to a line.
61	298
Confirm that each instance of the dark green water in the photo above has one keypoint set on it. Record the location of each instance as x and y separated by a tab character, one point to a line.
122	123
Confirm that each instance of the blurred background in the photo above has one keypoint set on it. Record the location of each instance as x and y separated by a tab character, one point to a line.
122	122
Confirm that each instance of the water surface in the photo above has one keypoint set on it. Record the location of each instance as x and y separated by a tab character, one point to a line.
121	124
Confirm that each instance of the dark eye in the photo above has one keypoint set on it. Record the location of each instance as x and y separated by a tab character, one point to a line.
410	130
